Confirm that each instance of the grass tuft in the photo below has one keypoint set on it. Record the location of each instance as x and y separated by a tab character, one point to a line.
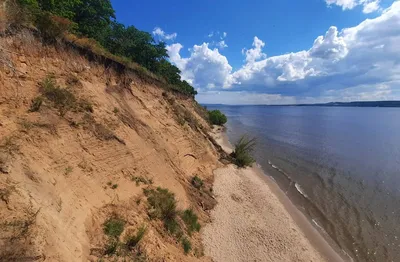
61	98
132	241
187	246
163	206
191	221
162	203
243	151
197	182
111	247
114	227
36	104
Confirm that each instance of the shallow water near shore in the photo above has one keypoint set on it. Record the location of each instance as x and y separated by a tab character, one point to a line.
340	166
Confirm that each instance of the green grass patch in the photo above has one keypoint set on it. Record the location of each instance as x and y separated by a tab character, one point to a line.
243	151
114	227
197	182
36	104
191	221
187	246
162	205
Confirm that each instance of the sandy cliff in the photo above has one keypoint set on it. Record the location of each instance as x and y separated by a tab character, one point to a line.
63	174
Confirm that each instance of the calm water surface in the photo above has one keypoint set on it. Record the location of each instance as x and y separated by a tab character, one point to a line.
345	162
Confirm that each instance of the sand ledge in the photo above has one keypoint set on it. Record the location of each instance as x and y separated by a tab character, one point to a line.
250	223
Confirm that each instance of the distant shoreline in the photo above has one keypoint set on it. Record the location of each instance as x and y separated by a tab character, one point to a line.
393	103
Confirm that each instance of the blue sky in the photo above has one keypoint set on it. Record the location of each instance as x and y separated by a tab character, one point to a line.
274	52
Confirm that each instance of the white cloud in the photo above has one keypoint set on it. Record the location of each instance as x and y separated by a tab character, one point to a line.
255	53
331	46
221	44
357	63
162	35
204	67
224	34
369	6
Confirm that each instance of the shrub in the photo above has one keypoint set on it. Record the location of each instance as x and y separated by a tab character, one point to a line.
36	104
163	206
172	226
197	182
61	98
162	202
217	117
190	219
187	246
113	227
132	241
243	151
51	26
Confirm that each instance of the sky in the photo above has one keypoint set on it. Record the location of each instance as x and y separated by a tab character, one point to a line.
277	52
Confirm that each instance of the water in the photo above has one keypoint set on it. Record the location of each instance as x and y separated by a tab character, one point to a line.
340	165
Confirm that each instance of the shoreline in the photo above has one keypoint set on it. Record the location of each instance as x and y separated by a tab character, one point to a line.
296	237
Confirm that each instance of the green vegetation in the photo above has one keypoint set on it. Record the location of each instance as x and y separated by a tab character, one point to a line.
197	182
162	205
132	241
243	151
95	20
191	221
111	247
141	180
68	170
187	246
114	227
36	104
61	98
162	202
217	117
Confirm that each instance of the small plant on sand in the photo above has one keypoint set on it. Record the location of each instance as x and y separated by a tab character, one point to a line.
133	240
191	221
187	246
68	170
36	104
113	227
162	205
197	182
111	247
61	98
115	186
243	151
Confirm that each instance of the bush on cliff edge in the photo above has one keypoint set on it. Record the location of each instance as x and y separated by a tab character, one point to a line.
217	117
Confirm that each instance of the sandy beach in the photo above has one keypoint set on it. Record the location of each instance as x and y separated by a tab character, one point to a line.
255	221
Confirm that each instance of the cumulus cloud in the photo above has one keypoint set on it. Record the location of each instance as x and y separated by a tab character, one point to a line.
369	6
357	63
204	68
254	53
162	35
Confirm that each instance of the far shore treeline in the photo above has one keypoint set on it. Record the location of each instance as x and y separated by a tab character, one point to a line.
96	20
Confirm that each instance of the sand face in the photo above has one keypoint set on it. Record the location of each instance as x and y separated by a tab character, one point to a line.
250	223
